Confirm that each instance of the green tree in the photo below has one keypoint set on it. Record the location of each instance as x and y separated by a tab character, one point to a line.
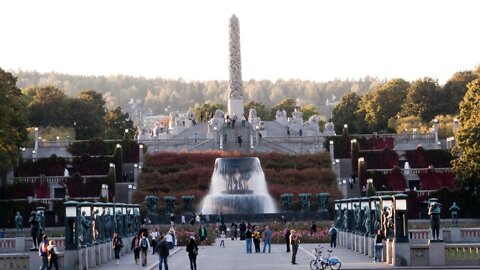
467	144
346	112
208	109
453	91
13	122
88	114
288	104
262	111
383	103
422	99
50	107
309	110
116	122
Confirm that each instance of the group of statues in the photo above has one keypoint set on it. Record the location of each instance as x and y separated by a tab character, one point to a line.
236	180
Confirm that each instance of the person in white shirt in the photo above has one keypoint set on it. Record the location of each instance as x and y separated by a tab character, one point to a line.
144	246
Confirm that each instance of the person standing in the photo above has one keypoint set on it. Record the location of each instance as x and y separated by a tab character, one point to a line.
163	252
243	229
248	240
267	239
43	252
378	246
52	255
295	240
313	229
287	238
333	236
182	219
169	239
202	232
144	245
136	247
233	230
155	235
192	250
117	245
256	239
222	239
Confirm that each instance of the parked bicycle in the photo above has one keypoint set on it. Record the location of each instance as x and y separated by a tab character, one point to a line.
322	263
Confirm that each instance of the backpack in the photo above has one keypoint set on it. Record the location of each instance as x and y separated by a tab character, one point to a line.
144	243
195	251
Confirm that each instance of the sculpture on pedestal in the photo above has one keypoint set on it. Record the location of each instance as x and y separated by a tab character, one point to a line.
434	209
454	209
84	229
322	199
305	201
96	226
35	230
169	204
19	222
367	223
187	203
151	202
388	222
338	217
107	224
287	201
235	83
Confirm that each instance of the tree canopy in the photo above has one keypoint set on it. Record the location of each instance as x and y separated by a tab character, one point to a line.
467	145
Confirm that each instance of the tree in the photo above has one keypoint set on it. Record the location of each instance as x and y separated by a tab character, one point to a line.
208	109
116	122
467	144
422	99
346	113
50	107
309	110
88	113
383	103
453	91
262	111
288	104
13	122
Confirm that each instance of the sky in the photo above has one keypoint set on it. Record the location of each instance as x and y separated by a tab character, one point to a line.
309	40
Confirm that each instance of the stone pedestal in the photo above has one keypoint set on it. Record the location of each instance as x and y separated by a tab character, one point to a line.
350	239
92	260
436	253
388	251
71	259
20	244
103	253
455	234
371	246
401	254
82	259
361	244
235	106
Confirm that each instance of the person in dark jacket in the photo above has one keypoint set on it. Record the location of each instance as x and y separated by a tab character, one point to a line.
287	239
192	250
163	252
136	247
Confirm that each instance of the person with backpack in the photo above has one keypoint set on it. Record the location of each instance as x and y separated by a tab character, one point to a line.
136	247
192	250
333	236
52	255
144	246
43	252
117	245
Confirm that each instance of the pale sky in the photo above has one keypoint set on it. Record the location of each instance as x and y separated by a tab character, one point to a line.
309	40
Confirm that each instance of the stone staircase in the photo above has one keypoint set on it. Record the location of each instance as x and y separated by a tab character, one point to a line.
232	134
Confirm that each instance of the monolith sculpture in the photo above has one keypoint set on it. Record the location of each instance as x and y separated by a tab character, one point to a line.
235	85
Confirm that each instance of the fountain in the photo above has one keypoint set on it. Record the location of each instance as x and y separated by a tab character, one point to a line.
238	187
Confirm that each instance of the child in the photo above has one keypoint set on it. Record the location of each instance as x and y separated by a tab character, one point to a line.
222	239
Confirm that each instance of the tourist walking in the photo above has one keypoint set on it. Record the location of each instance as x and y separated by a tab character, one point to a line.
155	234
248	240
287	238
202	232
43	252
192	250
256	239
267	239
52	255
333	236
378	246
135	247
163	252
117	245
222	239
145	246
169	239
295	240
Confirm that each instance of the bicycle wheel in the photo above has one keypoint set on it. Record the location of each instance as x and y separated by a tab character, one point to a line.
336	265
314	265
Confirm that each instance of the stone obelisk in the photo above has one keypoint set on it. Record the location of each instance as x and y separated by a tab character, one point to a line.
235	85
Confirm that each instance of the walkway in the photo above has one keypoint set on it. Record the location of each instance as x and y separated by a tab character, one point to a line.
234	257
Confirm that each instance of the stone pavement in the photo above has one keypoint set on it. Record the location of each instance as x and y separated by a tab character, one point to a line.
234	256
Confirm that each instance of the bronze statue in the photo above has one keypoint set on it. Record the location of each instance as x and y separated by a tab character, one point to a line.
454	209
434	210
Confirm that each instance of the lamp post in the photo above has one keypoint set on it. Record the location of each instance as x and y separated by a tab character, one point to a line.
140	155
71	256
331	149
257	134
131	189
104	191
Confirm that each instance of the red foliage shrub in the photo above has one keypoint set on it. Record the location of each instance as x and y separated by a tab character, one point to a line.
431	180
380	159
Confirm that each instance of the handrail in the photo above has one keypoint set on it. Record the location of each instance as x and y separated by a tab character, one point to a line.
414	170
200	144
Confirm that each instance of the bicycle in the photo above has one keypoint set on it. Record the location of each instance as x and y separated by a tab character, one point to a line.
321	263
